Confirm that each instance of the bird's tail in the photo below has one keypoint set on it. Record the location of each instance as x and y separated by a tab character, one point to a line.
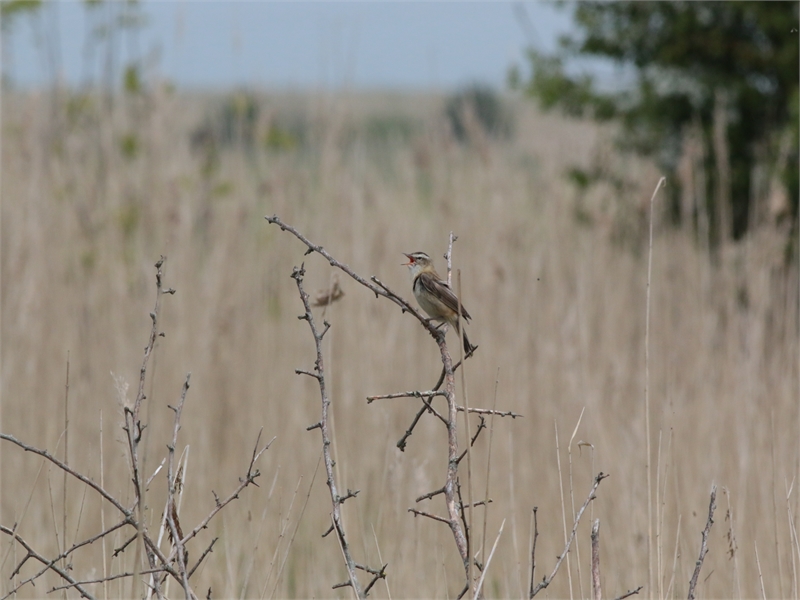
468	348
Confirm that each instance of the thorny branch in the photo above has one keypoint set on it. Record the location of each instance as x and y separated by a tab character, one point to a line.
160	565
630	593
546	581
597	590
319	375
446	380
411	394
173	482
50	564
533	549
95	486
704	544
401	444
61	556
377	287
133	426
249	478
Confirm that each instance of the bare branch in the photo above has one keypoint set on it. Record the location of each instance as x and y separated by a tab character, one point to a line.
158	565
350	494
378	575
488	411
51	564
481	427
597	593
460	535
68	469
171	515
478	503
133	426
109	578
546	581
630	593
249	478
64	554
411	394
205	553
378	288
309	373
704	544
121	549
449	258
401	443
430	495
319	368
533	549
429	515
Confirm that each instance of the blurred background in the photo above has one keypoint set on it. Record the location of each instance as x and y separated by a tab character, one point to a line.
535	132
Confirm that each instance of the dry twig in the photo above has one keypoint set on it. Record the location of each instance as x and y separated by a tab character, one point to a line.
546	581
630	593
324	427
597	593
160	566
704	544
454	518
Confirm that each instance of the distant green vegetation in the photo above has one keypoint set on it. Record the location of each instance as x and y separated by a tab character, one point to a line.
478	105
725	73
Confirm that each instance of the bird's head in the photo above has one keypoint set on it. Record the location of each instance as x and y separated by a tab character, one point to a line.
418	262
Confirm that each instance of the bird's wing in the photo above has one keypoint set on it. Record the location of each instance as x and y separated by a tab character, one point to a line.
441	290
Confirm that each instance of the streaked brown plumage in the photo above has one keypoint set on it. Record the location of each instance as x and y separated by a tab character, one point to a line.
434	295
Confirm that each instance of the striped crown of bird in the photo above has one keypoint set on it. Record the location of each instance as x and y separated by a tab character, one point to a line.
434	296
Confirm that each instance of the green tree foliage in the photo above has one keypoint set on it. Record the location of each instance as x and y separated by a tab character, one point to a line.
690	60
11	8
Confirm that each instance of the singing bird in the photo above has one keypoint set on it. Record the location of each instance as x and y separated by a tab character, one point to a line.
434	295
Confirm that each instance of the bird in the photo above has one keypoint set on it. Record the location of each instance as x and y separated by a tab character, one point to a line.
434	295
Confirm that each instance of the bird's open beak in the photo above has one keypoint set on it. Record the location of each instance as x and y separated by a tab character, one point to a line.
410	260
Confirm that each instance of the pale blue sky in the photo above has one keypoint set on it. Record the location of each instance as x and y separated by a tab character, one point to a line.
283	45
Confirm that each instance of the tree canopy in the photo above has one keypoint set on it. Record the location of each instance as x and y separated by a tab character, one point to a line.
727	69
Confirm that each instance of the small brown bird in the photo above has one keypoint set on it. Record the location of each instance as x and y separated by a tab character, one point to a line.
434	295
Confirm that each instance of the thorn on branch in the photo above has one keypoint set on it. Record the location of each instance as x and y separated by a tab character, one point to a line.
630	593
429	515
298	273
328	532
377	575
430	495
350	494
205	553
317	425
309	373
121	549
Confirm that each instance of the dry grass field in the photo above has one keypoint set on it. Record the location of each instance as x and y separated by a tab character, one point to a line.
93	193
